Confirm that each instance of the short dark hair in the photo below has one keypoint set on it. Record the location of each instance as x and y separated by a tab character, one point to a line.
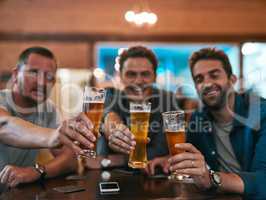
136	52
23	57
211	54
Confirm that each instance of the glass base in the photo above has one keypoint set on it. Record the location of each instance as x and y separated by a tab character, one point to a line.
181	178
137	164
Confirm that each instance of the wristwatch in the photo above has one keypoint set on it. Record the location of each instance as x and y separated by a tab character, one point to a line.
41	170
216	180
105	163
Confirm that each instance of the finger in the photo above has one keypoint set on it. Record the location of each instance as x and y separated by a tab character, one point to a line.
152	168
13	183
123	137
146	169
125	130
5	176
166	168
185	164
65	140
74	135
118	148
114	141
2	173
71	126
11	178
187	147
191	171
183	156
87	122
81	128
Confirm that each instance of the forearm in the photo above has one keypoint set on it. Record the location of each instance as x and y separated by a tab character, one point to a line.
30	135
110	122
231	183
63	163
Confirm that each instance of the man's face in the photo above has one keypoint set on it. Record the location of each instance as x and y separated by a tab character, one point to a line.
212	83
36	78
137	77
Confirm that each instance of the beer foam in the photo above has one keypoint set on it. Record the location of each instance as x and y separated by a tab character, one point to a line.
139	111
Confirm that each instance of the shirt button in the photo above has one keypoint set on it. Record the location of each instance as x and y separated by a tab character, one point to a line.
213	153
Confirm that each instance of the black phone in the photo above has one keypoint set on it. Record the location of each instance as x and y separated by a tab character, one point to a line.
69	188
109	187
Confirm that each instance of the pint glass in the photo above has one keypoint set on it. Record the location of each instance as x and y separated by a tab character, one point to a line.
139	124
174	128
93	105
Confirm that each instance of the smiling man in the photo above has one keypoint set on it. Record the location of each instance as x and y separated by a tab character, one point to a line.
226	139
29	120
138	66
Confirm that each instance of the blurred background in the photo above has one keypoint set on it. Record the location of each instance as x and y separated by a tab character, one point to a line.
87	36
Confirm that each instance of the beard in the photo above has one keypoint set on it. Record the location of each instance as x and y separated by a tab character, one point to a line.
33	96
215	102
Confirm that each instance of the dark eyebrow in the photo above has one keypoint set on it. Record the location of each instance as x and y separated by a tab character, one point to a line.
214	70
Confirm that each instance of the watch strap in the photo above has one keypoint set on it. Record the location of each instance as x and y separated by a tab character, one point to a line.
214	183
41	170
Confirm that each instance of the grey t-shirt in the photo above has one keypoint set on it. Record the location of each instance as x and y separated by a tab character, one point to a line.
226	156
46	116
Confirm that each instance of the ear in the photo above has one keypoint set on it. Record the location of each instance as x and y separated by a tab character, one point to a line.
15	71
233	79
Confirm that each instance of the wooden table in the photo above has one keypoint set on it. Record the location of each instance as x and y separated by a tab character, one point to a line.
132	186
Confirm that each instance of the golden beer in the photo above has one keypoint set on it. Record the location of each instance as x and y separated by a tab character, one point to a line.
139	127
94	111
93	105
174	128
175	138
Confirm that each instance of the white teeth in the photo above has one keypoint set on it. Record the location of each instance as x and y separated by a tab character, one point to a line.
211	93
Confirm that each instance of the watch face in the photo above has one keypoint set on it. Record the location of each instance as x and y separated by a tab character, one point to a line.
217	178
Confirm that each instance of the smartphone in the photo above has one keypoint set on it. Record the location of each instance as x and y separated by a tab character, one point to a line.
69	188
109	187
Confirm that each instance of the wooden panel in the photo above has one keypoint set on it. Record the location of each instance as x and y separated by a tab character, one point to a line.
74	55
216	17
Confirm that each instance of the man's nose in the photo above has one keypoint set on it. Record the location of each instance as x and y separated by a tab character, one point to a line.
207	81
138	79
41	78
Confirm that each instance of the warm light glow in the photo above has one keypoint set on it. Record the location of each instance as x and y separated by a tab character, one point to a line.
130	15
141	18
99	73
152	18
249	48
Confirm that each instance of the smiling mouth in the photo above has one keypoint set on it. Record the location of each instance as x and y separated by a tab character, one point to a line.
38	93
211	93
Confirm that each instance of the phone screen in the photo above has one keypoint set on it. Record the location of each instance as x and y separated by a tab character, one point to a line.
109	187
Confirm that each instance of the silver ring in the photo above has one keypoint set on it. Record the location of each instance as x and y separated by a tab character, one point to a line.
192	163
76	142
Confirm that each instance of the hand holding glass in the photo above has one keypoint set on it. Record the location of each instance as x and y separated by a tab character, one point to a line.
93	105
174	128
139	124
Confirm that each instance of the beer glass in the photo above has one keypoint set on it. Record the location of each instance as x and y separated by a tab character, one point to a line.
174	129
93	105
139	124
